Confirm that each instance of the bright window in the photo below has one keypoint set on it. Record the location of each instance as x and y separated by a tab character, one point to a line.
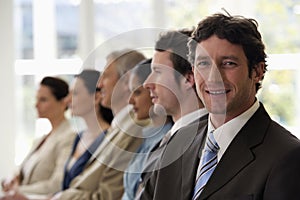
48	42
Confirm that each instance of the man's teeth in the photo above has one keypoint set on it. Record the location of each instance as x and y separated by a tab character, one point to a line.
217	92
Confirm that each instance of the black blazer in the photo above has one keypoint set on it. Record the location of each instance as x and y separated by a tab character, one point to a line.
261	163
177	165
156	153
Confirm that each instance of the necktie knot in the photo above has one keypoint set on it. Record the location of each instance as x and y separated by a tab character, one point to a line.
211	144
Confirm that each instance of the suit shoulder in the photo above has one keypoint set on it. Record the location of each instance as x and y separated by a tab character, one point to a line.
282	135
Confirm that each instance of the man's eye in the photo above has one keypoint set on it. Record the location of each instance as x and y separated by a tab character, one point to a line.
202	64
229	64
137	92
157	71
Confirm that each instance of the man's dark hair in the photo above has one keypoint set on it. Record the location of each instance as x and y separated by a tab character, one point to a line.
237	30
175	42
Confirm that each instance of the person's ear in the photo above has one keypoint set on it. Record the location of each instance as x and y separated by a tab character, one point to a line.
66	101
189	80
258	72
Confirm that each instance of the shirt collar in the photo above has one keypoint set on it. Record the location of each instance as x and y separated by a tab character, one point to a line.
188	119
226	133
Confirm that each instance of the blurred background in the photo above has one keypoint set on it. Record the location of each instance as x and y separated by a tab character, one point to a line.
53	37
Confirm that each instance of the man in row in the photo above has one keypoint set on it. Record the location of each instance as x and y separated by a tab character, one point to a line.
172	86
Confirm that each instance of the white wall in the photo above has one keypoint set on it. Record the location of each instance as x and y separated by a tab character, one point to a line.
7	111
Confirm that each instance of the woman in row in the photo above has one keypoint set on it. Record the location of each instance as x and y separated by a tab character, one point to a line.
86	104
42	170
153	133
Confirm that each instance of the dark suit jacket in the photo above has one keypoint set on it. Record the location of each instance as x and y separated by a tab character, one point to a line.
152	162
176	165
262	162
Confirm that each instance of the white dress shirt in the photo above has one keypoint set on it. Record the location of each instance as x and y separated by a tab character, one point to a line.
226	133
188	119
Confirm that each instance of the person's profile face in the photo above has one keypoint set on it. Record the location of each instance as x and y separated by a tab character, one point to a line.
47	105
107	82
139	98
161	82
82	101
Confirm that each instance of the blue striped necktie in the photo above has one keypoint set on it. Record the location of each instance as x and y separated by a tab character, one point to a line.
208	164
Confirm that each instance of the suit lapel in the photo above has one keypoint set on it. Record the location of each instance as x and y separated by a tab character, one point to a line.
190	161
152	162
97	158
111	133
238	154
36	147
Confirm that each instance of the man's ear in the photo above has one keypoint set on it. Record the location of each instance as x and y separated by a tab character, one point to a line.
258	72
189	80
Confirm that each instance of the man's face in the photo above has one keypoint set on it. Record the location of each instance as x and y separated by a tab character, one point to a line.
222	77
107	82
162	84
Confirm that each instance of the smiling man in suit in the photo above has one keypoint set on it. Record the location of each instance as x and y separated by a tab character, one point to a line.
256	157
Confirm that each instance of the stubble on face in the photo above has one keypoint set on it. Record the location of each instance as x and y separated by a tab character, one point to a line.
166	87
222	77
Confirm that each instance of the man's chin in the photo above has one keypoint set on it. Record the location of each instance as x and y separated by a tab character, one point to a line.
159	109
217	111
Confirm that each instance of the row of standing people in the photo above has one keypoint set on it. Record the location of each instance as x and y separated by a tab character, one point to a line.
221	68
